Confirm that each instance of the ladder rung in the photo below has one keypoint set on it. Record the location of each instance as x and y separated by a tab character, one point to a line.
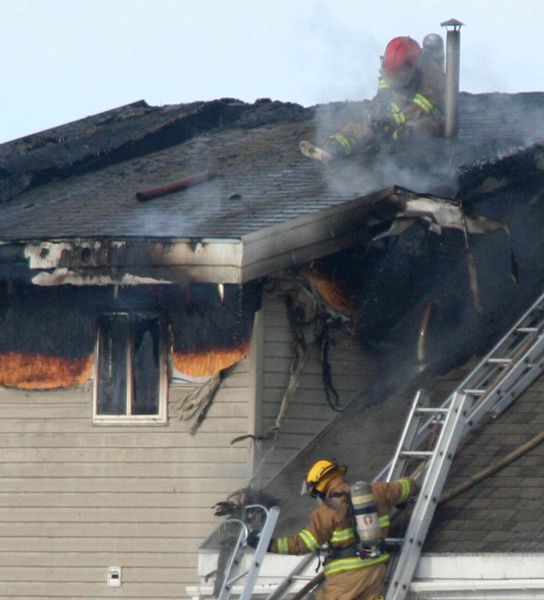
437	410
394	541
416	453
499	361
475	392
237	578
526	329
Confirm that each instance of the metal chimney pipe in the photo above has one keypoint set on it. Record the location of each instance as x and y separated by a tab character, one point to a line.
453	53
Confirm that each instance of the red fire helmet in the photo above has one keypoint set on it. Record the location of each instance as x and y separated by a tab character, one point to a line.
400	60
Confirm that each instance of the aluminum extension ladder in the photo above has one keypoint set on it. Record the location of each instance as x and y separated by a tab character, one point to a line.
450	419
500	377
232	572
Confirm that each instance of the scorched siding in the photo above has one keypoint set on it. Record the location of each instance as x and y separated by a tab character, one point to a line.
77	498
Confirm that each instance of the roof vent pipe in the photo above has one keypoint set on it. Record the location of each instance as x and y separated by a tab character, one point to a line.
453	53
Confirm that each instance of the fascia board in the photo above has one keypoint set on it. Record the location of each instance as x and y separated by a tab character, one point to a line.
471	589
126	262
308	237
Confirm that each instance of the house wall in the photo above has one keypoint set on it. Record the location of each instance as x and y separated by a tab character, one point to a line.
77	498
309	413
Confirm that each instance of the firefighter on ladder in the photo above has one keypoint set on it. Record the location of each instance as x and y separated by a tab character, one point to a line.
353	520
408	105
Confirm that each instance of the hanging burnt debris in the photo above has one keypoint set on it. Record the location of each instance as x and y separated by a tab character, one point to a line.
425	263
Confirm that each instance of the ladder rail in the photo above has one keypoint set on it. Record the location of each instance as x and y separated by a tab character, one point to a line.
406	438
427	499
484	371
233	565
232	572
272	515
520	376
280	590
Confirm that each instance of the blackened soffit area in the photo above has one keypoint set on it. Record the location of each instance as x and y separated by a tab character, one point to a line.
79	180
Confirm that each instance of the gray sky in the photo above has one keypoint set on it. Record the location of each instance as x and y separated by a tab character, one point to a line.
62	60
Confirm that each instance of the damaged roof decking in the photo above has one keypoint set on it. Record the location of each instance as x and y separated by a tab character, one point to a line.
78	182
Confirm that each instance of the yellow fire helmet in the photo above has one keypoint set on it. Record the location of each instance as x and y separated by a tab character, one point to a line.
319	476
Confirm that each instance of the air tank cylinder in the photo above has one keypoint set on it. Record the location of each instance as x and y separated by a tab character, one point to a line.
366	515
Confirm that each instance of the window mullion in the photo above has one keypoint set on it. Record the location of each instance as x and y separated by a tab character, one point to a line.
130	367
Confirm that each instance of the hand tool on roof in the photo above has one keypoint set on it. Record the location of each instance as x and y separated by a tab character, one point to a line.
175	186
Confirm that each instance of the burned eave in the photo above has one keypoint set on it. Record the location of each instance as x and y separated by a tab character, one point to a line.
136	261
121	262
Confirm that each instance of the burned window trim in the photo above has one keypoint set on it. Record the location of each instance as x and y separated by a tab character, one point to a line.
161	418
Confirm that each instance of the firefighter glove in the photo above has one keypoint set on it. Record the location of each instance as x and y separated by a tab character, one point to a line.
253	539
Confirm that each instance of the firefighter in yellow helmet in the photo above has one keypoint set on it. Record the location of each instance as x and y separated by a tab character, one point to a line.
355	568
408	105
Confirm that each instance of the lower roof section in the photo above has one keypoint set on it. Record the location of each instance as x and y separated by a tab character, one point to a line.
514	576
479	576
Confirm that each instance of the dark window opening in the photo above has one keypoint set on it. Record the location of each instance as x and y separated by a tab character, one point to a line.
129	365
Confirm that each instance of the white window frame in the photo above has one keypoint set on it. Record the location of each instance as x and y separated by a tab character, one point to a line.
161	418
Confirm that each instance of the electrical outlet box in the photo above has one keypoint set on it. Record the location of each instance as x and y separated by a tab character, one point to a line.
113	577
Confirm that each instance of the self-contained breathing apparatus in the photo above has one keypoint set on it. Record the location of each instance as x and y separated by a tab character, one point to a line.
368	543
366	521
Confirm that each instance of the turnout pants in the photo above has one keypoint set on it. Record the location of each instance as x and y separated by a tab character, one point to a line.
367	583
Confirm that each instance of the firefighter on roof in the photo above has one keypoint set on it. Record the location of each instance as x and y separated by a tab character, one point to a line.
353	520
409	103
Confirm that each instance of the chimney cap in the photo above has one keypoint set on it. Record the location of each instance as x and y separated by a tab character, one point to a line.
452	23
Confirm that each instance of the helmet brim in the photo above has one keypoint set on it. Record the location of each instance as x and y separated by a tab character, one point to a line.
307	488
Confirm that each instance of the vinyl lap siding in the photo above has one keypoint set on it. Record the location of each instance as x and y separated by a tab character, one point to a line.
310	412
77	498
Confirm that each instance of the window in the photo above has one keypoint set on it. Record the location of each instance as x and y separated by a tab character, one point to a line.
130	369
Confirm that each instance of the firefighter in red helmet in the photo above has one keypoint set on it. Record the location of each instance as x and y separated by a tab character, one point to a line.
409	103
355	566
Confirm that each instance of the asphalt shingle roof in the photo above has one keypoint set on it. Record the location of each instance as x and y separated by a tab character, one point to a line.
80	180
504	512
